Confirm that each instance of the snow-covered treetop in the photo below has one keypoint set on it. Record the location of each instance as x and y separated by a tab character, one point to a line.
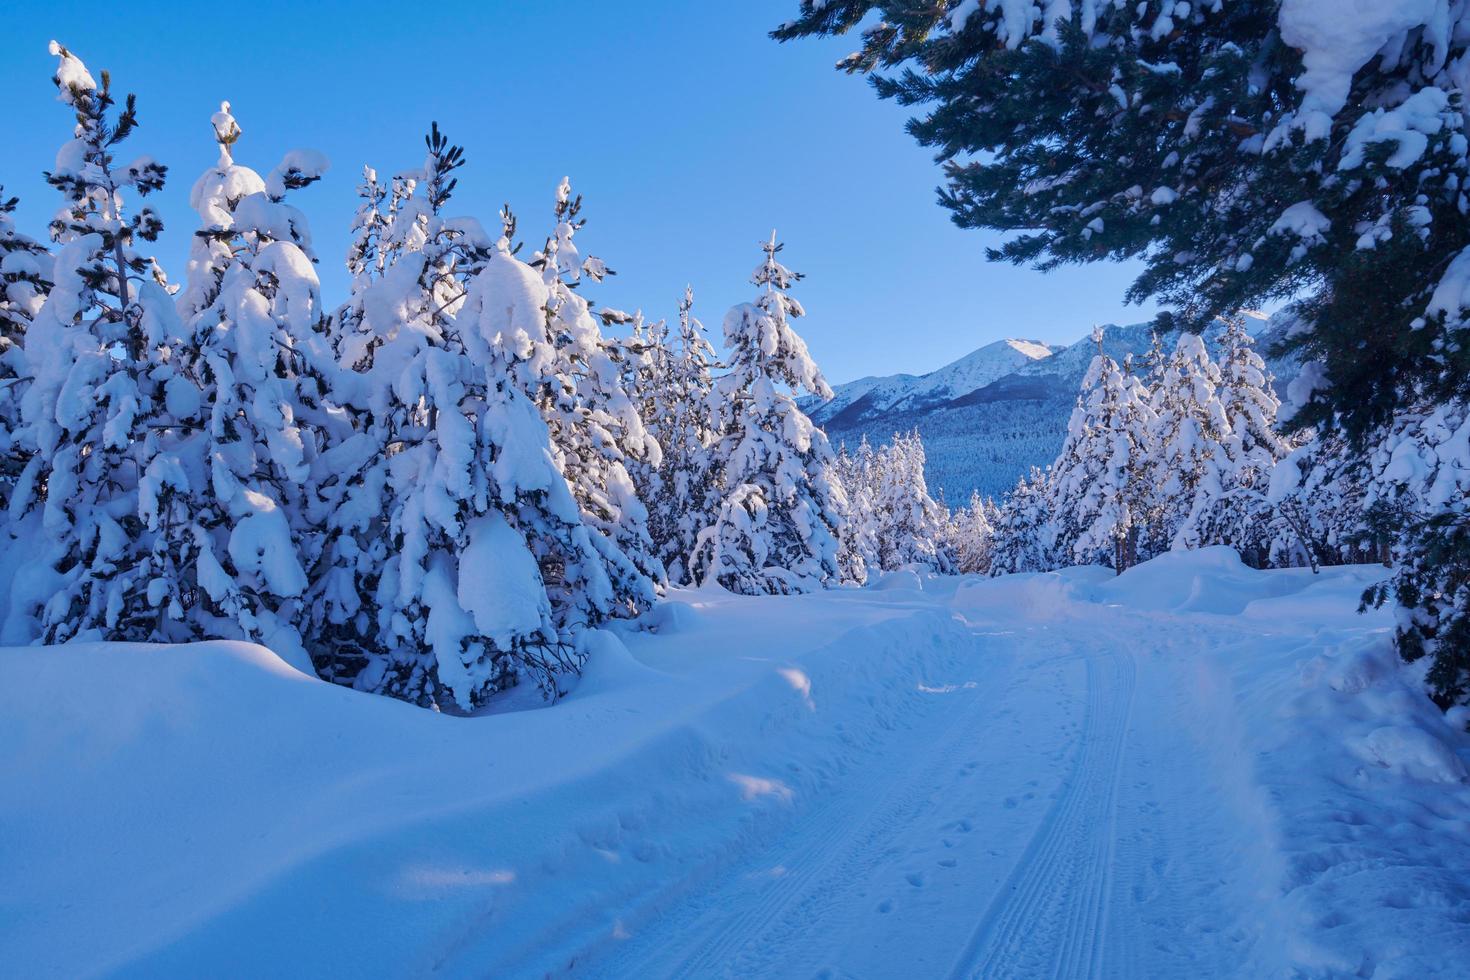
72	78
760	336
226	132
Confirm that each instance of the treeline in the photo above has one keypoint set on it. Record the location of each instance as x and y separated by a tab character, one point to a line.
433	489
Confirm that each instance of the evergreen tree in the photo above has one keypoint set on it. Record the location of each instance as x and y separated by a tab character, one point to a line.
452	539
682	494
1023	531
1417	492
644	356
1099	488
1188	468
859	474
910	524
1252	446
782	509
1318	505
972	535
24	271
595	426
100	372
232	507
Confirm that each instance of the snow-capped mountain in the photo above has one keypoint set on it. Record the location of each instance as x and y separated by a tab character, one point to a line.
994	413
876	397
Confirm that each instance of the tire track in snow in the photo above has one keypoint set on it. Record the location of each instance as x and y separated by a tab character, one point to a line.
832	844
1048	918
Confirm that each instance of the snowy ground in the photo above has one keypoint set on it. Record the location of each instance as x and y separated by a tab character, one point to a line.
1191	770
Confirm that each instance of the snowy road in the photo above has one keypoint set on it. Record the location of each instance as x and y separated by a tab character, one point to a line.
1192	770
1033	821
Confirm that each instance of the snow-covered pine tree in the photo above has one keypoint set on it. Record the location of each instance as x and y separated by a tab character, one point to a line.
972	534
101	377
1252	446
859	474
1099	487
595	426
910	524
367	259
1188	466
439	538
1419	487
1317	513
232	507
782	508
24	281
644	356
1023	528
683	492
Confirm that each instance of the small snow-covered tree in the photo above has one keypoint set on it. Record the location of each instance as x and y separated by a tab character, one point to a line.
232	509
98	359
1023	528
595	426
857	554
449	535
24	272
1189	468
910	523
972	535
1419	491
681	493
1318	506
1251	445
644	356
782	507
1099	487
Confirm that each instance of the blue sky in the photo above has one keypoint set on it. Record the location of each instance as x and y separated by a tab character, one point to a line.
689	132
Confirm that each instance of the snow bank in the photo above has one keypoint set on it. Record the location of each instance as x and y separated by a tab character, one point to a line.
251	797
1366	782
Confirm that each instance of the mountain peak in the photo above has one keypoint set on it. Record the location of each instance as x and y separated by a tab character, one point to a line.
872	396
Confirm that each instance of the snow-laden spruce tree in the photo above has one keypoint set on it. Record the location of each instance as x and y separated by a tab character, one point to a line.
1420	486
101	377
1252	445
1099	487
972	535
643	356
411	267
1023	528
24	280
595	426
911	525
445	537
1318	510
682	490
232	507
1188	467
782	508
857	553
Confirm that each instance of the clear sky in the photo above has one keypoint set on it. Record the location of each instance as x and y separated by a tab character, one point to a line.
689	132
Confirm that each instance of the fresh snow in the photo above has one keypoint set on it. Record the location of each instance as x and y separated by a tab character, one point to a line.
1192	769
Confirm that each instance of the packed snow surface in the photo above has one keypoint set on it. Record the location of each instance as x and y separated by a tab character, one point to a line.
1194	769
